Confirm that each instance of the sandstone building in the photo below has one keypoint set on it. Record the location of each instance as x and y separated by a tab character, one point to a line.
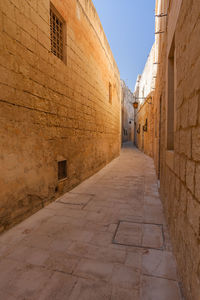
127	119
60	102
175	118
61	118
144	91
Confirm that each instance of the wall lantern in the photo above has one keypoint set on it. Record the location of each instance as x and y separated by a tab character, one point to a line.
135	104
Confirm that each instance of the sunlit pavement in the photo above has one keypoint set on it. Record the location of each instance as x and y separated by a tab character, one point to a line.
106	239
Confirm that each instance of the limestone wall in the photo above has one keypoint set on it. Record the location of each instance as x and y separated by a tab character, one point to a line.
127	114
144	128
146	82
52	110
144	91
180	166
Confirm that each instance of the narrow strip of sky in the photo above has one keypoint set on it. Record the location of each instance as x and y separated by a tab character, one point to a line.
129	27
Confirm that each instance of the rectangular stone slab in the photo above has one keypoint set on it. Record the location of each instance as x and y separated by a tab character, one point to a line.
142	235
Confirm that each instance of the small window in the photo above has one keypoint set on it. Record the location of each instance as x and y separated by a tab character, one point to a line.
57	33
110	93
62	170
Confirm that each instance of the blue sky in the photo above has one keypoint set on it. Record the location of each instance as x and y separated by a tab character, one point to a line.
129	27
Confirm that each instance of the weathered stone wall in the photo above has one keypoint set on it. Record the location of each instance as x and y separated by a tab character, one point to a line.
144	138
144	91
180	167
51	110
127	113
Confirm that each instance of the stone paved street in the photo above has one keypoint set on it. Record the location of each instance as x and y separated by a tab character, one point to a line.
106	239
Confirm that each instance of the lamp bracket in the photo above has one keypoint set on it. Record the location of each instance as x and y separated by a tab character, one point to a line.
161	15
159	32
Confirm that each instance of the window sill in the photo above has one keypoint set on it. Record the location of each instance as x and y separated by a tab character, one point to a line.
63	179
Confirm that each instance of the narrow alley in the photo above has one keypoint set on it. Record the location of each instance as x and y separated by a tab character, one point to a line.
99	150
105	239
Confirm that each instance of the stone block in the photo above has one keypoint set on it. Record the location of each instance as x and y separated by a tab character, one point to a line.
193	213
159	288
196	143
8	9
94	269
190	171
197	182
185	142
184	114
177	164
10	28
193	110
183	199
183	168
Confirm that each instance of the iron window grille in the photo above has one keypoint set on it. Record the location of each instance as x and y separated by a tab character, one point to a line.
57	34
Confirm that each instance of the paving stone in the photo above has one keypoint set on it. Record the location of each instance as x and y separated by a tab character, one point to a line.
29	282
125	277
38	241
153	214
29	255
69	220
90	289
102	239
81	249
61	262
124	294
152	236
94	269
129	233
9	270
61	209
159	263
158	288
97	216
7	296
75	199
65	251
59	287
60	244
134	259
75	234
4	250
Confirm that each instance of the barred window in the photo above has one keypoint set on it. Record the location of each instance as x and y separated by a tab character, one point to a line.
62	170
57	34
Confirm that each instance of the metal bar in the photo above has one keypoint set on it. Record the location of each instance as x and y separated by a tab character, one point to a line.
158	32
161	15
